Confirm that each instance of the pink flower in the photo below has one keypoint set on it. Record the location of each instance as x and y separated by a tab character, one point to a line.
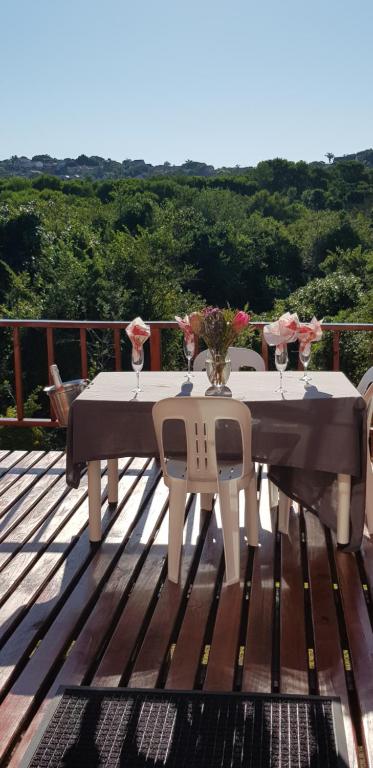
184	324
240	321
282	331
309	332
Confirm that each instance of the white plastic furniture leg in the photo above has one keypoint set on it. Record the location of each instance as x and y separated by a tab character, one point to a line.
273	494
284	504
343	513
112	481
175	528
94	500
228	497
251	518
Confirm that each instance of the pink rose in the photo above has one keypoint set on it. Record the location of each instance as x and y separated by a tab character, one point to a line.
240	321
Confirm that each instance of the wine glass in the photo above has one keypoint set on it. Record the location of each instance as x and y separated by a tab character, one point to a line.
304	357
137	360
281	361
189	350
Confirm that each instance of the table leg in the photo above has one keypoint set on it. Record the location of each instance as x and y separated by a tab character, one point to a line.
343	513
94	500
112	481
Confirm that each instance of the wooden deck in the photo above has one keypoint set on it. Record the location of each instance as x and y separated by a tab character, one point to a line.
300	620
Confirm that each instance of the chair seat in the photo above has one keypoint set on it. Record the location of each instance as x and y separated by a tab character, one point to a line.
177	469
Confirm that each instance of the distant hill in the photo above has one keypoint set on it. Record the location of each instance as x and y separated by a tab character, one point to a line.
365	157
98	168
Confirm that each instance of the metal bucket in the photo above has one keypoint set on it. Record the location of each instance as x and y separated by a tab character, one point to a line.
62	398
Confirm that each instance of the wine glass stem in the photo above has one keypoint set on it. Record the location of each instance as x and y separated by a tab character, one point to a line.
189	360
280	381
138	381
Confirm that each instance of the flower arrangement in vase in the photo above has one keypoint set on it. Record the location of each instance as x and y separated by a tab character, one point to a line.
219	329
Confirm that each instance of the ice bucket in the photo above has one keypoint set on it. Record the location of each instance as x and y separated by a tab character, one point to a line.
62	397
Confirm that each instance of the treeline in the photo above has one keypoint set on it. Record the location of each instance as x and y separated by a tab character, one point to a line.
284	235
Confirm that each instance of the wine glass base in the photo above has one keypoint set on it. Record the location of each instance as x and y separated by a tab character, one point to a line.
218	392
305	378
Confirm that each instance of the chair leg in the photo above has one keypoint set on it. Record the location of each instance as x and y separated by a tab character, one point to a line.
228	495
284	504
206	501
273	494
94	500
251	514
343	514
175	529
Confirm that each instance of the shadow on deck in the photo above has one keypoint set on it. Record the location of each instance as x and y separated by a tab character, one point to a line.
299	621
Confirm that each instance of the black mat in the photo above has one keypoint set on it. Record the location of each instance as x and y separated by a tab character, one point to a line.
149	729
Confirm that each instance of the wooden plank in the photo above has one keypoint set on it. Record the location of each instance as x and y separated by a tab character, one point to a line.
125	636
360	638
157	639
21	509
10	459
53	516
37	570
258	652
27	481
13	467
330	669
16	708
60	579
3	454
367	555
187	654
293	653
28	527
223	653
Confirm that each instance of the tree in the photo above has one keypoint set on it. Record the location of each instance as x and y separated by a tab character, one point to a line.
330	156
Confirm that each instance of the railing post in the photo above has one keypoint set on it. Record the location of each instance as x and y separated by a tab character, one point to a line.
83	353
117	350
264	348
18	372
50	360
336	336
155	350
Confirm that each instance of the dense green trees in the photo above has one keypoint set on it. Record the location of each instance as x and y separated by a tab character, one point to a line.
280	236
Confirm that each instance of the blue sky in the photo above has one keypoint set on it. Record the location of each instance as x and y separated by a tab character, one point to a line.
221	81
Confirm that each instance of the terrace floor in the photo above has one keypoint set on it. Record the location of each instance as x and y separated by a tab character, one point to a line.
299	621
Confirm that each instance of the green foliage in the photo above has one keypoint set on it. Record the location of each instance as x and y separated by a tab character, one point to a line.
279	236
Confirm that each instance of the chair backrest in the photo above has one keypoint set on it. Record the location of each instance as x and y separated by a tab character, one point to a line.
365	381
200	415
368	397
238	356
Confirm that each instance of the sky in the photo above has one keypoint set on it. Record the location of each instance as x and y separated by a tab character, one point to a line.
225	82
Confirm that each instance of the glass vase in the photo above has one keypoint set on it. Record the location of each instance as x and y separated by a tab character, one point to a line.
218	368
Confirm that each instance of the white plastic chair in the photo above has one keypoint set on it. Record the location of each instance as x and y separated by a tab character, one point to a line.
202	474
365	381
239	356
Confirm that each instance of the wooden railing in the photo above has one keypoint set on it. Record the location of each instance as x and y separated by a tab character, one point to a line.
117	327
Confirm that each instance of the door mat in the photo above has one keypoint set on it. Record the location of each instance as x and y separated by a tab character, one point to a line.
131	728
